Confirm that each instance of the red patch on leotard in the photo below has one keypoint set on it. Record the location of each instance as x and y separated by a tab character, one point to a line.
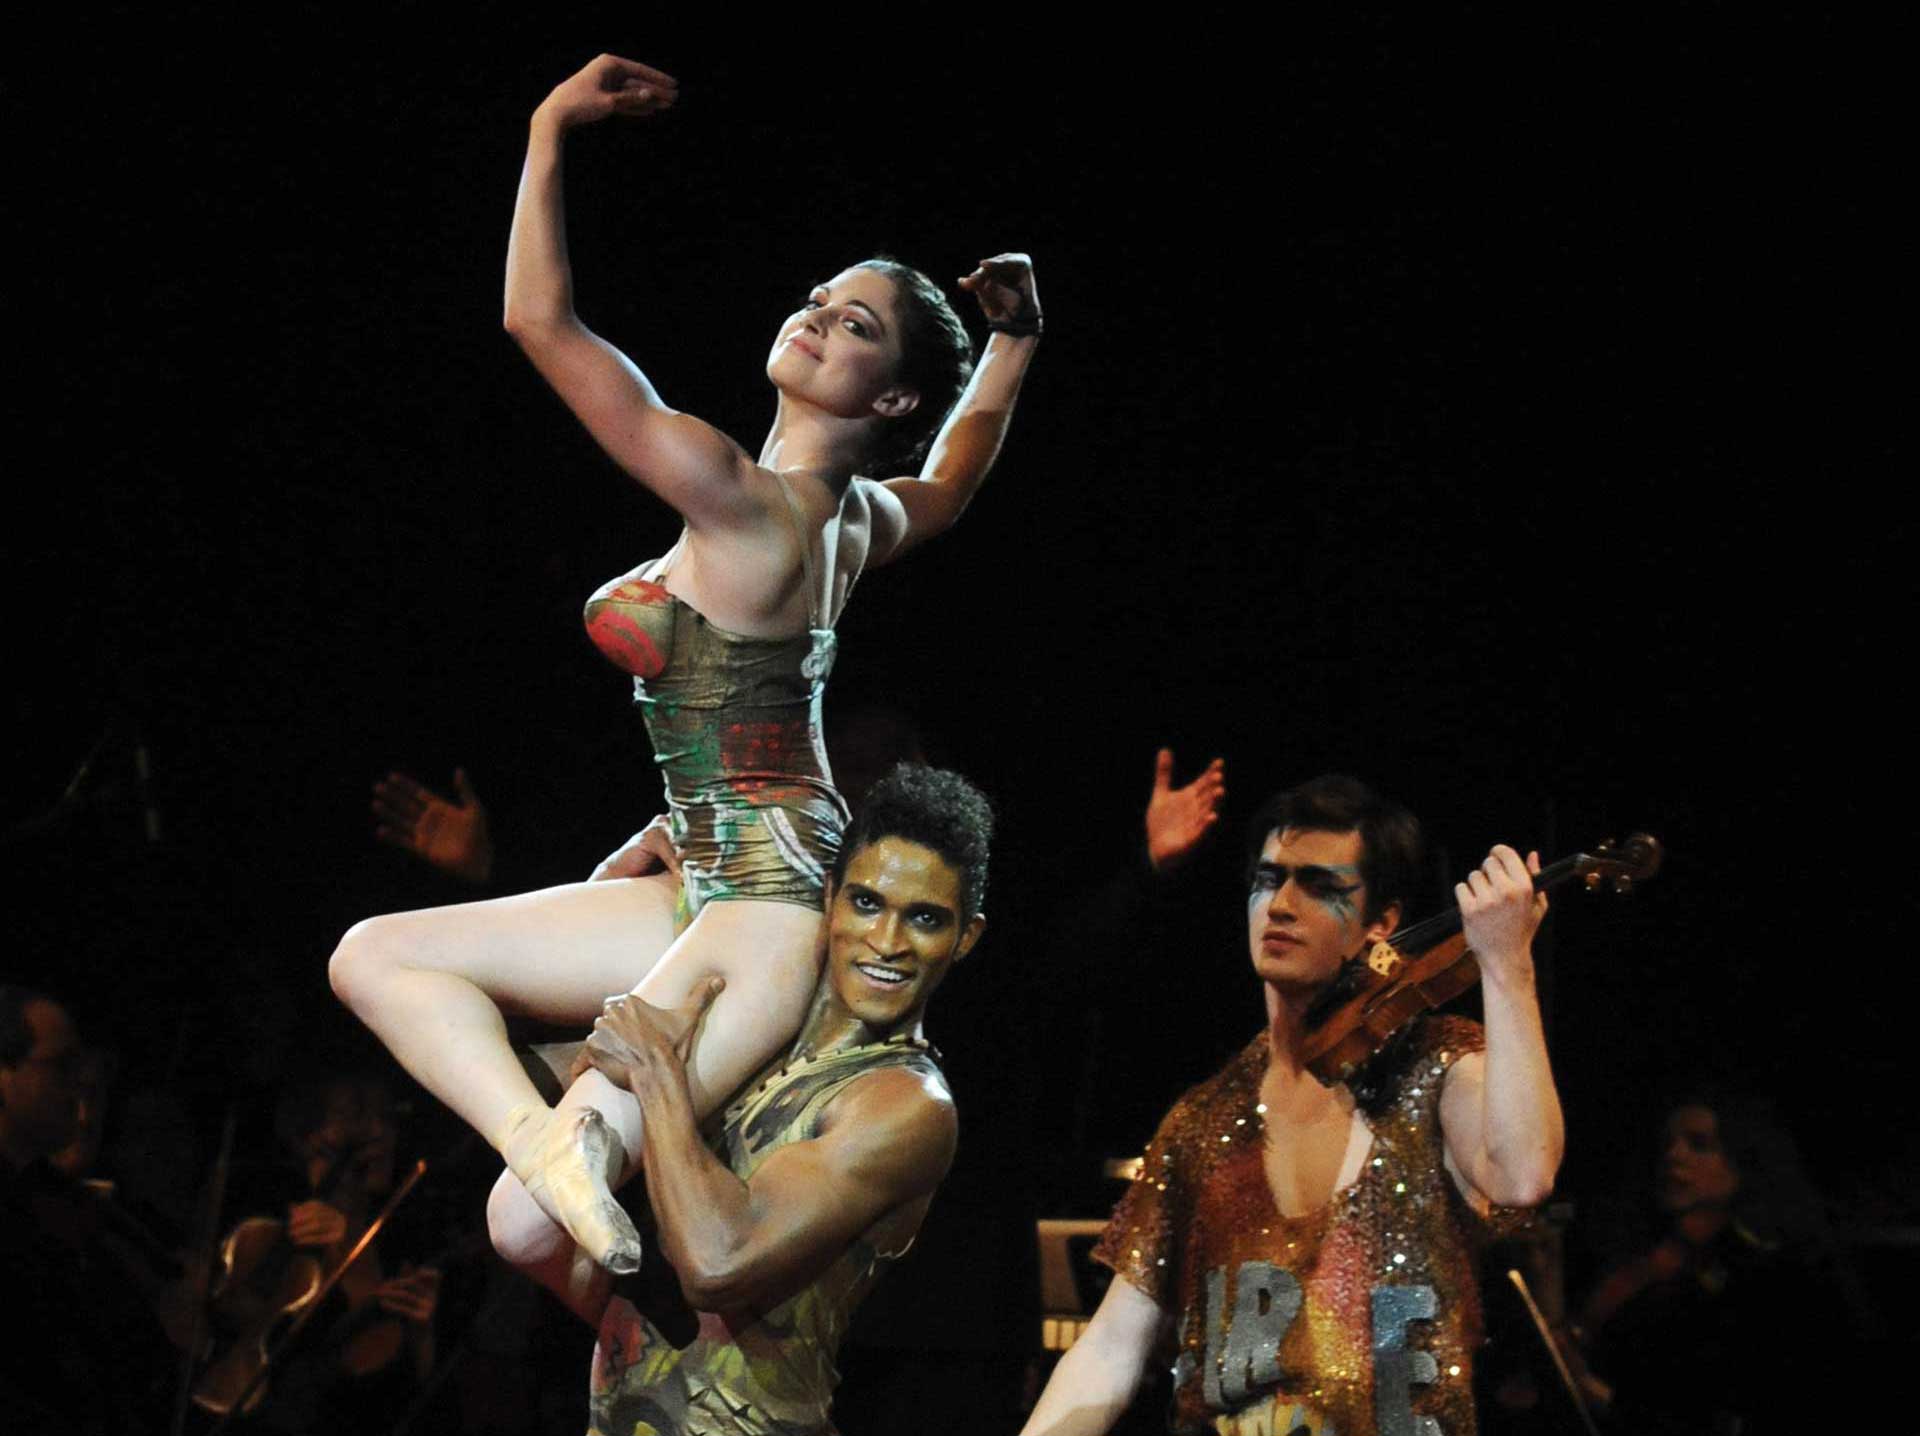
617	634
623	1339
753	750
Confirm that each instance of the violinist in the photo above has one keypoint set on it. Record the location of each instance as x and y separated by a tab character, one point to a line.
84	1350
364	1354
1731	1308
1307	1248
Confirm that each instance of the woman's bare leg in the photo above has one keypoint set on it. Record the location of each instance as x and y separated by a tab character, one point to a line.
433	985
769	953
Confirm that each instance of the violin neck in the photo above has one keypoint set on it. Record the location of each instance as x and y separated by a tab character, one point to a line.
1415	938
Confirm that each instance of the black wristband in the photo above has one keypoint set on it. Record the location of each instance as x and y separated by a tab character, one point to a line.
1021	326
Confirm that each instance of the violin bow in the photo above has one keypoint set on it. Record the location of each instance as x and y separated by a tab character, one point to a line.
300	1323
1553	1350
209	1240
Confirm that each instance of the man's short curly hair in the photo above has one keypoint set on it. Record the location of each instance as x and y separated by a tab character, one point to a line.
934	807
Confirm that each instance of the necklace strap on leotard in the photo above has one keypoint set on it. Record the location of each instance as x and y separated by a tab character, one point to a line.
656	572
819	600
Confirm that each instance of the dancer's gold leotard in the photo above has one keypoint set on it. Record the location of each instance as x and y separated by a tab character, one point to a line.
735	723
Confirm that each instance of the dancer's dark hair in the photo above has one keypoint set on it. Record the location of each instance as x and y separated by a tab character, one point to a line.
934	807
936	360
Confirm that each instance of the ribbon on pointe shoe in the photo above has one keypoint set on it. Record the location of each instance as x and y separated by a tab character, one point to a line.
569	1162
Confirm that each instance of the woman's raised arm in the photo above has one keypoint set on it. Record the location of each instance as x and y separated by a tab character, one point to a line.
684	460
912	510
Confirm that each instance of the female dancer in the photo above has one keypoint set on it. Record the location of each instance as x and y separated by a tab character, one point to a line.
729	637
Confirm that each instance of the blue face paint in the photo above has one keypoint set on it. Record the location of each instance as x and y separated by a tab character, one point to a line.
1340	904
1331	885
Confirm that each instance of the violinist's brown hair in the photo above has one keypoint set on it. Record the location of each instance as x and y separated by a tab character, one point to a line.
16	1034
303	1107
1390	842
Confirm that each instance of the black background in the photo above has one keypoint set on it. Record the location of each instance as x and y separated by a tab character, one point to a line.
1426	401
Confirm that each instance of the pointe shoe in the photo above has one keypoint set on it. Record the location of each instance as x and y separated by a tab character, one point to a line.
568	1162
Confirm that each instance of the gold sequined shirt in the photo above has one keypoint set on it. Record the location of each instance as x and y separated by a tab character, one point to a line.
1359	1317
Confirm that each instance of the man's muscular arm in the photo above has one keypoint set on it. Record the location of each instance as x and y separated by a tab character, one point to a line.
1499	1110
886	1140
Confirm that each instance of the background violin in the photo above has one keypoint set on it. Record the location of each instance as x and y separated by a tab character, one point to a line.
273	1274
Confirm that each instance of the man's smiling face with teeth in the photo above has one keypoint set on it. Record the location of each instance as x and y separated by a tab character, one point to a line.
894	928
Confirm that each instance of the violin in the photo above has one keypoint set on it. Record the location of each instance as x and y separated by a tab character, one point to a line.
1428	962
269	1289
264	1281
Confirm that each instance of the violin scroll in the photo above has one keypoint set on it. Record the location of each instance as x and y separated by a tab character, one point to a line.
1633	861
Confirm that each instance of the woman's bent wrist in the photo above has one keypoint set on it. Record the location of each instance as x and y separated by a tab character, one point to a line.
547	124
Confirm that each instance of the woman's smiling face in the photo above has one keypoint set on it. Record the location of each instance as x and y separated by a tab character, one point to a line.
840	351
